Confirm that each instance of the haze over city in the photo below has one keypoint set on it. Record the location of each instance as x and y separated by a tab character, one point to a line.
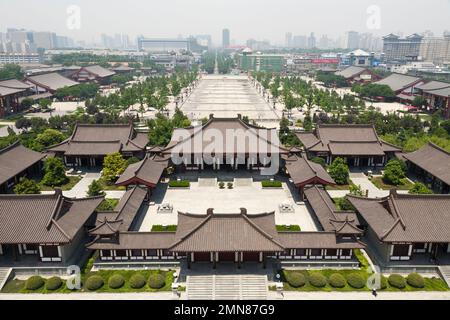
261	20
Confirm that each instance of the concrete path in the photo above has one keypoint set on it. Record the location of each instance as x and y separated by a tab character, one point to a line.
419	295
289	295
362	180
81	188
90	296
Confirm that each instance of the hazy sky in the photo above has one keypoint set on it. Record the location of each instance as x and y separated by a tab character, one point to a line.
259	19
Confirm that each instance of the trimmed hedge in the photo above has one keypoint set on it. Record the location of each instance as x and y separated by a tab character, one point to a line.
116	281
156	281
137	281
337	280
383	283
296	279
397	281
271	184
34	283
94	283
415	280
317	280
179	184
54	283
356	281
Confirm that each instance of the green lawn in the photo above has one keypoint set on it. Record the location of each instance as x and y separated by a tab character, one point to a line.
160	228
380	184
431	284
18	286
106	185
179	184
108	205
281	228
271	184
73	180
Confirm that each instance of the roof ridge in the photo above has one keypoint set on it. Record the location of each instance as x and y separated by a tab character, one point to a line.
326	203
11	146
55	223
260	230
57	206
384	235
395	207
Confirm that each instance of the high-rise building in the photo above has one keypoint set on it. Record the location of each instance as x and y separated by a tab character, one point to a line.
288	40
436	49
300	42
225	38
312	41
352	40
45	40
398	49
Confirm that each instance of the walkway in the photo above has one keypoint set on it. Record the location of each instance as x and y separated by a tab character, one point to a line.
418	295
227	287
81	188
227	96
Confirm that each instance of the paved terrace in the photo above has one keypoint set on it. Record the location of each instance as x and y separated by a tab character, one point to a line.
205	193
227	96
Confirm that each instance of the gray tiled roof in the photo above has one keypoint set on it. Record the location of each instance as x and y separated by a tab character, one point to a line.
326	212
302	170
15	159
398	81
100	71
432	159
53	81
407	218
350	72
43	218
149	170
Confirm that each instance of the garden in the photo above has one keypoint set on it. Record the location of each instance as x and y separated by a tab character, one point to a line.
99	281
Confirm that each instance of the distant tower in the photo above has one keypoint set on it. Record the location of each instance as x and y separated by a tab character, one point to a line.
225	38
288	40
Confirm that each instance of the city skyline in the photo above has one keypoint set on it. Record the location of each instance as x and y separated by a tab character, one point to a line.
160	22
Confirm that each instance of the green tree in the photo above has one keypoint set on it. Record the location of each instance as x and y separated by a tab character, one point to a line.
95	189
27	186
394	172
339	171
9	71
45	103
419	188
54	173
50	137
113	166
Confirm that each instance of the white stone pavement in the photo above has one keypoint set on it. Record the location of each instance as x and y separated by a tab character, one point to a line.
288	295
198	198
81	188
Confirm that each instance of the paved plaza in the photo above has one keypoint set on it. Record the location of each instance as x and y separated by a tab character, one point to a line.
202	196
226	96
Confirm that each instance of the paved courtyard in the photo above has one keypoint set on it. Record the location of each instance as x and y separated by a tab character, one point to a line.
227	96
202	196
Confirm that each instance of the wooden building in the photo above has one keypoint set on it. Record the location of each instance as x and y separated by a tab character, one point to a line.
11	92
403	227
44	228
16	161
90	143
358	144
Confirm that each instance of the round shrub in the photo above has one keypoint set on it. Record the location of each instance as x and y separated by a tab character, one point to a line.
355	280
337	280
53	283
94	283
296	279
156	281
137	281
116	281
383	283
397	281
318	280
415	280
34	283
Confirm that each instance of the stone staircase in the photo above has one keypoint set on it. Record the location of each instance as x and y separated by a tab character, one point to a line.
4	274
445	273
207	182
243	182
227	287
